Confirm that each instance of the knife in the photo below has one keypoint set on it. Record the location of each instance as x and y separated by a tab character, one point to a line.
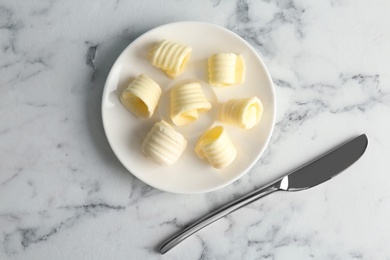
316	172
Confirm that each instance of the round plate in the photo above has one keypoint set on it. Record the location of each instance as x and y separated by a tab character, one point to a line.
189	174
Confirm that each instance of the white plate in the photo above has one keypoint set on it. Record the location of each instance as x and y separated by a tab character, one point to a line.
125	132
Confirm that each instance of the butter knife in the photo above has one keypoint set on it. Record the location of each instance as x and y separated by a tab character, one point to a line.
316	172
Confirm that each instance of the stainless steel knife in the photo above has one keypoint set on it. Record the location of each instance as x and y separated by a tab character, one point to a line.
309	175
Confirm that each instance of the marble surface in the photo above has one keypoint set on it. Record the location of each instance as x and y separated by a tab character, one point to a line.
64	195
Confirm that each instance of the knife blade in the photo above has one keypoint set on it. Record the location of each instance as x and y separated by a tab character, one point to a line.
312	174
328	165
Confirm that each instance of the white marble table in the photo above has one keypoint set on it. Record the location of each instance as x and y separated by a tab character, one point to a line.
64	195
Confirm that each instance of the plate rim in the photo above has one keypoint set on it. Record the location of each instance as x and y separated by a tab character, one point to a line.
250	165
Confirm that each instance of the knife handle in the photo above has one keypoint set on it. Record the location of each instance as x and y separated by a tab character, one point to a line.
217	214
